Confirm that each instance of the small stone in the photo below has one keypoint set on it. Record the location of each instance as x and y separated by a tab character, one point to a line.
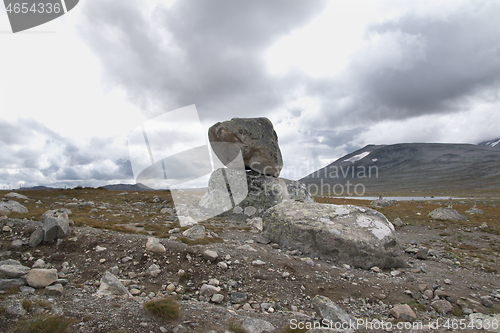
179	329
100	248
195	232
208	290
16	309
258	263
285	274
246	247
39	263
54	290
154	245
6	229
422	287
247	307
154	270
186	221
447	261
429	293
403	312
111	284
467	311
170	288
375	269
237	297
422	253
222	265
40	278
256	223
210	255
397	222
441	293
26	290
486	301
447	281
442	306
395	273
16	244
135	292
214	282
217	298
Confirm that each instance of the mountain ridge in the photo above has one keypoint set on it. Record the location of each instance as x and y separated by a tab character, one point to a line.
412	166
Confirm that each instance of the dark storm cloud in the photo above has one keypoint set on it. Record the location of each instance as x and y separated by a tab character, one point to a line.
436	65
208	53
462	57
37	155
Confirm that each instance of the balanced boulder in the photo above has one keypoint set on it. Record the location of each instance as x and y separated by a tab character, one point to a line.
358	236
250	193
254	137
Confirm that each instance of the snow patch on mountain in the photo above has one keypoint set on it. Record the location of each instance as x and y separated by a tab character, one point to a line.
491	144
357	157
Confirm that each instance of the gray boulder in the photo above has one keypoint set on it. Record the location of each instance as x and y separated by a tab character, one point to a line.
474	210
253	325
61	212
13	271
55	225
111	284
254	137
447	214
10	283
36	237
11	206
380	203
403	312
196	232
361	237
252	192
41	278
331	312
15	195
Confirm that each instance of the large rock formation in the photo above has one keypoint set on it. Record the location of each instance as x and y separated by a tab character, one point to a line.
11	206
357	236
249	193
55	225
254	137
445	214
15	195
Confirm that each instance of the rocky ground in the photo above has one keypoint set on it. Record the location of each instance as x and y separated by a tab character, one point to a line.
451	274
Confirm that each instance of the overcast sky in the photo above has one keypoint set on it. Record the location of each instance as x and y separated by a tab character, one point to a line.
332	76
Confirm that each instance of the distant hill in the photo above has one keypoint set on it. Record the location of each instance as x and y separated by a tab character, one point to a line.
491	144
37	188
128	187
411	166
